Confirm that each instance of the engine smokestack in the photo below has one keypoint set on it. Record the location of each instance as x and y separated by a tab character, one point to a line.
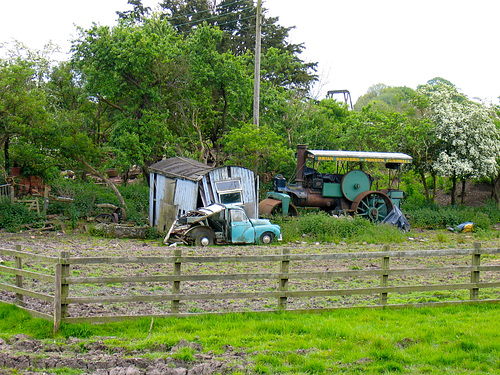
301	163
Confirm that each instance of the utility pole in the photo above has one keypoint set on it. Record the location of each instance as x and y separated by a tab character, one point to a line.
256	88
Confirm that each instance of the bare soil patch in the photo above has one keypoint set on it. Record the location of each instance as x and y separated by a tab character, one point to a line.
476	195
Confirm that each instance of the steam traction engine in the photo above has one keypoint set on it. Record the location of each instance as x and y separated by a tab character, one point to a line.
346	192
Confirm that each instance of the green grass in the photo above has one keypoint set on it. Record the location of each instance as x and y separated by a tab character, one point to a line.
321	227
448	340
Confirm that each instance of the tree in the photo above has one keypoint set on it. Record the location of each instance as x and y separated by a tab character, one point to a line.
136	70
218	93
237	20
468	140
137	14
23	115
386	98
257	148
81	130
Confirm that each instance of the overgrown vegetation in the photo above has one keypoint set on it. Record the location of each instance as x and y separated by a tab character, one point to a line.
13	216
86	195
315	226
322	227
434	217
458	339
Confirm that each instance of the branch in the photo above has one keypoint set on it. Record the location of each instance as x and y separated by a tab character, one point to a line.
108	182
109	103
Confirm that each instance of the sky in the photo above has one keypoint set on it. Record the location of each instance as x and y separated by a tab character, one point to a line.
356	43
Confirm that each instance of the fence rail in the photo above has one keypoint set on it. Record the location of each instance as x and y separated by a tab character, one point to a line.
66	287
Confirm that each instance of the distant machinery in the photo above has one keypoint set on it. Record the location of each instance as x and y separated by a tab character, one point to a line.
345	93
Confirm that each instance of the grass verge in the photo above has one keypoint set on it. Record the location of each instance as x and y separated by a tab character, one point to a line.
460	339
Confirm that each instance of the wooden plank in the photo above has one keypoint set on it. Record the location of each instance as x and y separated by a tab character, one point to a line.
283	282
176	285
474	275
27	274
57	298
116	318
277	294
31	256
25	292
273	276
384	278
277	257
65	272
19	278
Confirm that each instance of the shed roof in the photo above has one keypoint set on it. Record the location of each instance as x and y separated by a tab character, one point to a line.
179	167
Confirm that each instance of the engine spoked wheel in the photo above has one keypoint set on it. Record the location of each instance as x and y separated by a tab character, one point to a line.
372	205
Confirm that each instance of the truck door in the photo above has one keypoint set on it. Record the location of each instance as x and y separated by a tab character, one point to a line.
242	230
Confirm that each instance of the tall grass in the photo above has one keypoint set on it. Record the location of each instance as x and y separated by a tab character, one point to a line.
434	217
321	227
452	340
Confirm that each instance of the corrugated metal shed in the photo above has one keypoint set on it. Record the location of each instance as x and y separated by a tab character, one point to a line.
178	185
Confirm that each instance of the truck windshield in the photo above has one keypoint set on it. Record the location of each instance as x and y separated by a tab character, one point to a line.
238	215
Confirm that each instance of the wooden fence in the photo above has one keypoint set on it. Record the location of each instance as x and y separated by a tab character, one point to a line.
49	286
7	192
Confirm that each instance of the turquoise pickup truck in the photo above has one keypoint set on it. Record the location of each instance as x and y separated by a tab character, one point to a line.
222	224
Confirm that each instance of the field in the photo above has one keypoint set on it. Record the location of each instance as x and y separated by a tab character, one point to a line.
451	340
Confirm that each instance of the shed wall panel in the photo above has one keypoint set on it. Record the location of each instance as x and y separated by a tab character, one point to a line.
186	196
247	182
156	194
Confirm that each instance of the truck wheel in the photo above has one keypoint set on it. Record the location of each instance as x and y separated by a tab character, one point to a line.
267	238
203	237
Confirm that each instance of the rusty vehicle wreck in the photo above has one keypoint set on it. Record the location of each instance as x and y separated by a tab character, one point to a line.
348	191
221	224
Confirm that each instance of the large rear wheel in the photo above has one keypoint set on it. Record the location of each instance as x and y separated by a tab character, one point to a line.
372	205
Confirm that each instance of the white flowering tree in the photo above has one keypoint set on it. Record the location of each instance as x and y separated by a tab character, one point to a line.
467	138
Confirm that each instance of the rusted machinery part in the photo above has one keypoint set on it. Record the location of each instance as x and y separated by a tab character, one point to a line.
271	206
373	205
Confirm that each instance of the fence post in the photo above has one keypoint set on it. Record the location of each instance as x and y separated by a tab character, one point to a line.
384	278
19	278
474	275
176	286
12	193
283	286
61	290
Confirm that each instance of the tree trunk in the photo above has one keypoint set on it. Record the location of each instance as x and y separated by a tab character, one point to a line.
108	182
434	187
426	188
5	143
453	189
462	200
496	190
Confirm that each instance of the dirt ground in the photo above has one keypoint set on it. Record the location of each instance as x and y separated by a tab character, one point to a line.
23	354
476	195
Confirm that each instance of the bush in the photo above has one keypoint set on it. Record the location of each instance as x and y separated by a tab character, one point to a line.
13	216
322	227
87	195
435	217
